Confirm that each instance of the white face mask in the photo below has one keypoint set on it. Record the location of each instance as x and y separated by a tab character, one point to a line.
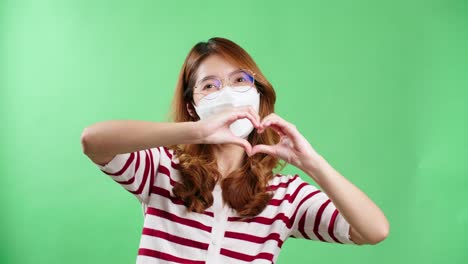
228	97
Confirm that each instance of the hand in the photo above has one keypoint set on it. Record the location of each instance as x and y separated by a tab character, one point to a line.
215	129
293	147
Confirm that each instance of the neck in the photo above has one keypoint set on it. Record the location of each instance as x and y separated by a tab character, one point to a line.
229	157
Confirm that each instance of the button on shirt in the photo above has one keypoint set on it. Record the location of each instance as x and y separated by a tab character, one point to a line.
221	213
171	234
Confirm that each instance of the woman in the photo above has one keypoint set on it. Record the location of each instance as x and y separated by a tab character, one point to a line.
206	181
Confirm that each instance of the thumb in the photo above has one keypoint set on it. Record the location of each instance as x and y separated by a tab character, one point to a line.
270	150
243	143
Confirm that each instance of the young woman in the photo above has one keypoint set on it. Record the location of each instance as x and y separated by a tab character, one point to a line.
206	180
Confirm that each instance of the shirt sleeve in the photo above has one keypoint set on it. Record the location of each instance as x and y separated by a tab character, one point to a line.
135	171
315	217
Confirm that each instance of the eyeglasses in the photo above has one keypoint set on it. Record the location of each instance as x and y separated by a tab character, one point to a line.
241	81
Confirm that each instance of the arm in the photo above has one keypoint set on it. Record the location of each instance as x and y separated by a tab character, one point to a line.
356	237
103	140
367	221
129	151
368	224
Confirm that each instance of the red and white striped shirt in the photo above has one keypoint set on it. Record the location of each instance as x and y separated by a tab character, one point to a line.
171	234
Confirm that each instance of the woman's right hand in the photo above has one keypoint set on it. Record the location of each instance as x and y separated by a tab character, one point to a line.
215	129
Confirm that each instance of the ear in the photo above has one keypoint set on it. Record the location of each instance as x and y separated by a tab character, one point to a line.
190	109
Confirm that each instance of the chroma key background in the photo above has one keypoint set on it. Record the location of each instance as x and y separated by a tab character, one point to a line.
379	88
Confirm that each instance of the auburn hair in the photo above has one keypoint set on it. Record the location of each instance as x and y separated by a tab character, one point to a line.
244	189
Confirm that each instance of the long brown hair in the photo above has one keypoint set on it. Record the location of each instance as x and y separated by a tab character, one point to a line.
245	188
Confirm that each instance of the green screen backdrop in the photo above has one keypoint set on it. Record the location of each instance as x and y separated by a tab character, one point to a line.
379	88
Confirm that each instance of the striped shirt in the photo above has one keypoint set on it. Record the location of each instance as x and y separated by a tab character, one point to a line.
170	234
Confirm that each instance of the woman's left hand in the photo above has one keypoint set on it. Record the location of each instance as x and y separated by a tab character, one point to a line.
292	148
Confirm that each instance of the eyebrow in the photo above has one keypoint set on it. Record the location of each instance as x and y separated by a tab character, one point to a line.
215	76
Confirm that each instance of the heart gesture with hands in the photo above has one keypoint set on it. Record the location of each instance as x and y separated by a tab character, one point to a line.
292	147
215	129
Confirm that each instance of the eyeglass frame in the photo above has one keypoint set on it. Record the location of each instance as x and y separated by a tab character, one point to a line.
224	78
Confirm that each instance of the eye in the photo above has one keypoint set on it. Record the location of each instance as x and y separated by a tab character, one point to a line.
241	78
208	86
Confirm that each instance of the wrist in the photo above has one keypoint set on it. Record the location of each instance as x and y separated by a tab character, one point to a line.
195	132
313	166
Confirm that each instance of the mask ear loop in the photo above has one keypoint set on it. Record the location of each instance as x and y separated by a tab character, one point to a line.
192	112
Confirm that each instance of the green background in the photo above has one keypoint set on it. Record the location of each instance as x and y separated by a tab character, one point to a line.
379	88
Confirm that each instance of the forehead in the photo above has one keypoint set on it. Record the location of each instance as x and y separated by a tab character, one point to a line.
215	65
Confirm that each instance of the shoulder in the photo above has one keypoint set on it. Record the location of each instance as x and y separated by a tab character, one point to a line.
167	155
282	181
166	152
167	172
289	183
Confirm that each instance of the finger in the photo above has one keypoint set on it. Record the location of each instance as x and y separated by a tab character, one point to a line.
243	143
278	129
271	120
251	110
250	116
267	118
238	114
287	128
270	150
275	127
265	123
255	114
